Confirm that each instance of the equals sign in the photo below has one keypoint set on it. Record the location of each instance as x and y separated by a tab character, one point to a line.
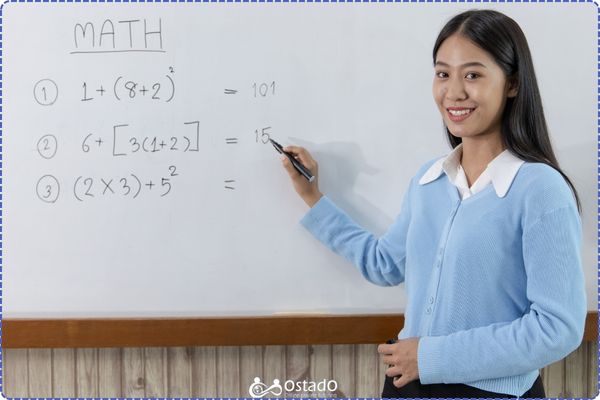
231	140
230	91
229	187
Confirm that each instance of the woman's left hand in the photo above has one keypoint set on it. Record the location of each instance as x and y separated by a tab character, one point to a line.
401	359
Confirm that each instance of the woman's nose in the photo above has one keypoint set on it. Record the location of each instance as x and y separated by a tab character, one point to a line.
455	90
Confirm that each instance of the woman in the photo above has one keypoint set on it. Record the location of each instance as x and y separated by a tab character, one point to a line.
488	237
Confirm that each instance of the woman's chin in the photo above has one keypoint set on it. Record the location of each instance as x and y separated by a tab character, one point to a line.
459	133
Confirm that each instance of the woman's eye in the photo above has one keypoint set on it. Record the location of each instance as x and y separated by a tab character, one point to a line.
469	76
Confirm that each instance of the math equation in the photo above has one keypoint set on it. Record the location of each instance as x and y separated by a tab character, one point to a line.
128	139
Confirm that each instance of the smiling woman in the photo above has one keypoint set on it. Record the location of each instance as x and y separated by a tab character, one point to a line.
483	66
475	91
488	237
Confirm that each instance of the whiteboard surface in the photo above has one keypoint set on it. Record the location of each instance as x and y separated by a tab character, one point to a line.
209	225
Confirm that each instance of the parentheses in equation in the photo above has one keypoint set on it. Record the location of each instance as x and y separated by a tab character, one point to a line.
139	186
75	188
144	144
115	87
188	144
172	88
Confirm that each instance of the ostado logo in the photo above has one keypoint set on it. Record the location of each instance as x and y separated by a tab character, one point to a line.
259	389
325	388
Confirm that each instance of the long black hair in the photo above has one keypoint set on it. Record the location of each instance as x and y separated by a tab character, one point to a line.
524	131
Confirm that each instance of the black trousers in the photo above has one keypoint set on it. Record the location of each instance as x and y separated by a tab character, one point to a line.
415	389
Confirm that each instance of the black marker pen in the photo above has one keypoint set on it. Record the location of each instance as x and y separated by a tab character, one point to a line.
297	164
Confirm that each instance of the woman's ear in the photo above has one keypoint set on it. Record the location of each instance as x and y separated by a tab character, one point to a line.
513	87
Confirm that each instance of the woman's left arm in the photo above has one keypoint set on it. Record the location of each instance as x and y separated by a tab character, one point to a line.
551	329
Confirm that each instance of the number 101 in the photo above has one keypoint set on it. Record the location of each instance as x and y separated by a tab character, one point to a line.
262	89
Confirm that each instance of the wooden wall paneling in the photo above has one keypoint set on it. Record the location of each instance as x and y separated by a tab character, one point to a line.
228	371
554	379
381	367
204	371
274	367
320	368
297	365
16	374
592	370
212	371
155	372
134	374
63	373
576	372
39	367
180	372
343	369
368	380
110	372
251	366
86	372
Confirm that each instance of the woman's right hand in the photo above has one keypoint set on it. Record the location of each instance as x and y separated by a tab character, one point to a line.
308	191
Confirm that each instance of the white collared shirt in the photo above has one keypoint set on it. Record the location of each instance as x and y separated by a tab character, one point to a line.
500	172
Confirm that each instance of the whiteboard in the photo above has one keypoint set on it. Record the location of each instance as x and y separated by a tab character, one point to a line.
137	180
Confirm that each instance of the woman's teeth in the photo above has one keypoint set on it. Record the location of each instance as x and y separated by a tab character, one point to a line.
457	113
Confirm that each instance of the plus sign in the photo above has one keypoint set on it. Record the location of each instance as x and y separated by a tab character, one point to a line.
150	184
143	90
99	141
101	90
162	144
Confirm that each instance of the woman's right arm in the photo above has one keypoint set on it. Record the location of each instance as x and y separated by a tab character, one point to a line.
380	260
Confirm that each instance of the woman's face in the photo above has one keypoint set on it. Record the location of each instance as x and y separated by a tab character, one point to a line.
469	84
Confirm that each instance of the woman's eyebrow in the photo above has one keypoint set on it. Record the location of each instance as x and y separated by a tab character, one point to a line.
469	64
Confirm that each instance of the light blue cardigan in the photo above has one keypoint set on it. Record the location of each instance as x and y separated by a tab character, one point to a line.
495	285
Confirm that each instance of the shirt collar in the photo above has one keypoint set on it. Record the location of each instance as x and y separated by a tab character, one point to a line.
502	169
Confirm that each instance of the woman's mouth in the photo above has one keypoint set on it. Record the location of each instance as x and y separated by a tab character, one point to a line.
459	114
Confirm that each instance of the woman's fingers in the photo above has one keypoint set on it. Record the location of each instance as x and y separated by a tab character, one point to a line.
402	381
301	154
287	164
393	371
388	359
